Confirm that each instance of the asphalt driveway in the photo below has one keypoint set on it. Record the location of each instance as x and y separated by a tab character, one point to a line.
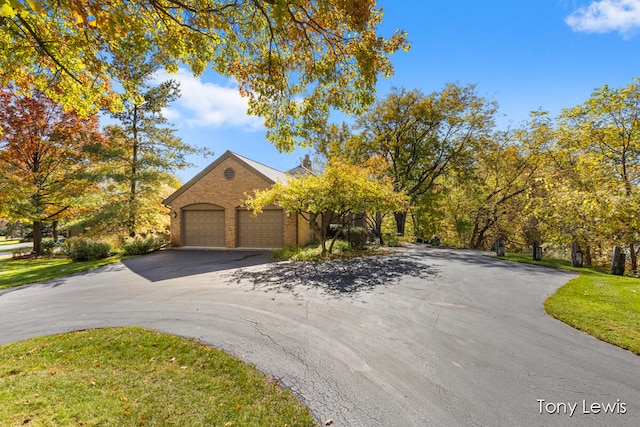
422	337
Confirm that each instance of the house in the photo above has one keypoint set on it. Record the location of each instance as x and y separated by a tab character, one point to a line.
208	212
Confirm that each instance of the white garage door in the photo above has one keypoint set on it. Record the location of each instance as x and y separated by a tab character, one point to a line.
203	226
264	231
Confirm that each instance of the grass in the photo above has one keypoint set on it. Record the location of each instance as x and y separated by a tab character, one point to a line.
600	304
136	377
8	242
313	252
24	271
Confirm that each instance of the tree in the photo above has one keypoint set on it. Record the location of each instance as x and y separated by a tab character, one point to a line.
332	197
141	156
422	137
599	142
295	60
43	162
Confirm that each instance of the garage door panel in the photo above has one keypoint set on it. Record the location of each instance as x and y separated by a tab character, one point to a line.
203	228
264	231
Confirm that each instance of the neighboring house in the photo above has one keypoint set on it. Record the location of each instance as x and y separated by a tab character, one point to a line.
207	211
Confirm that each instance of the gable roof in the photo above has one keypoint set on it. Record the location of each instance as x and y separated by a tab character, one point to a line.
265	172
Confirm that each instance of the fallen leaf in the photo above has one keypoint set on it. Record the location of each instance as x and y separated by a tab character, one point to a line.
127	412
142	421
328	422
93	383
33	350
238	406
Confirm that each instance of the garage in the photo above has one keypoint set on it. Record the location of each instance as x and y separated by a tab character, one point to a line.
263	231
203	225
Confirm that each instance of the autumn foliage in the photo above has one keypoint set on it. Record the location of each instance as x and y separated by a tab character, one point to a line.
43	164
294	59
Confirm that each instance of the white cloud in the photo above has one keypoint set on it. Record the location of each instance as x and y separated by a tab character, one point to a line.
607	15
204	104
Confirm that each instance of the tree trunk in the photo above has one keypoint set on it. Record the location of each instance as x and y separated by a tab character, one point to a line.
587	256
378	228
401	219
134	166
617	262
576	255
633	258
54	229
37	237
537	251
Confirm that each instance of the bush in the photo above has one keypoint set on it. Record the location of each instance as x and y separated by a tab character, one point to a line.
86	249
142	245
391	240
358	237
49	246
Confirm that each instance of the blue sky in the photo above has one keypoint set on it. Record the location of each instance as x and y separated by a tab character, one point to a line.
524	54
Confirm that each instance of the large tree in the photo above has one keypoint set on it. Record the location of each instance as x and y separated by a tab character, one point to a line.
599	143
294	59
331	197
142	154
43	162
422	136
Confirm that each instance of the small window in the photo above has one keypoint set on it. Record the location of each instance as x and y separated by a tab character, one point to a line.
229	173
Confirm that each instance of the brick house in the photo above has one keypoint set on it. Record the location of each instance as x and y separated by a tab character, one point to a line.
207	211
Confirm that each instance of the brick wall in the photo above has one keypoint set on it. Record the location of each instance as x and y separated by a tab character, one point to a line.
217	189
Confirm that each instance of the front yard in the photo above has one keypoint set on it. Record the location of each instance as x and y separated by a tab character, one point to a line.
24	271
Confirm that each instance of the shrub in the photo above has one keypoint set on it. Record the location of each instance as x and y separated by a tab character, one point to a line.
358	237
142	245
48	246
86	249
391	240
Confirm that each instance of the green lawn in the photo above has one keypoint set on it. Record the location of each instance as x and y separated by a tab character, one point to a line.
4	242
136	377
600	304
24	271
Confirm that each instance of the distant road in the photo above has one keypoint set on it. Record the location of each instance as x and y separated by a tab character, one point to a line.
6	250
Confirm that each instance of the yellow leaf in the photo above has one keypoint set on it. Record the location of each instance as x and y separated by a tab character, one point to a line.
7	11
77	17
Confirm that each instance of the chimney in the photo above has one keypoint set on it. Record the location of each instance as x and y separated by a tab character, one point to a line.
306	163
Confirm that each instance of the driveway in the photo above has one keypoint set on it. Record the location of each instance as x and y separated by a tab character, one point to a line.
422	337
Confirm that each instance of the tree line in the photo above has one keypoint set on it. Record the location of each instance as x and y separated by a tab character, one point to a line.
57	167
568	179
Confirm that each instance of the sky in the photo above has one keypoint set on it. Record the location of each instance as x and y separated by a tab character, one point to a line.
524	54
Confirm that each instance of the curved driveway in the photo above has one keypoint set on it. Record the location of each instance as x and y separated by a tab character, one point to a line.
417	338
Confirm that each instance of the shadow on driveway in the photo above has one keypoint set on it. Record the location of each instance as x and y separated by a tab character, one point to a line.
343	277
175	263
